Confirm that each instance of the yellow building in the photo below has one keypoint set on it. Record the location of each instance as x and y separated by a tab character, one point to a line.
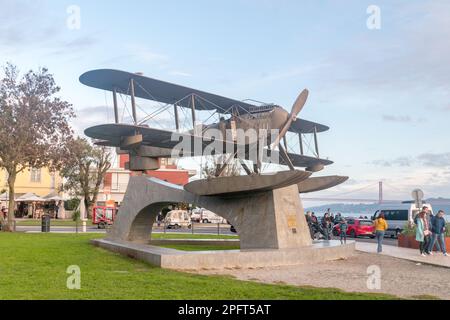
39	181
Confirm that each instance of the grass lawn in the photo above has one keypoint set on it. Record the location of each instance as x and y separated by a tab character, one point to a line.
200	247
162	236
54	223
33	266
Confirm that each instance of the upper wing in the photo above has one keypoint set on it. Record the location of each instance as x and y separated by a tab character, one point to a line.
305	126
157	90
165	92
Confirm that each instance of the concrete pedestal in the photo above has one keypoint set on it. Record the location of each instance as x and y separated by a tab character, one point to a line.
266	220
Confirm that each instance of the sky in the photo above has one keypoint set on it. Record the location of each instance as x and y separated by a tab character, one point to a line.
383	92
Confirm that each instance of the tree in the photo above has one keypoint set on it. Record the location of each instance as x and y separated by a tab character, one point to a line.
34	125
213	165
84	170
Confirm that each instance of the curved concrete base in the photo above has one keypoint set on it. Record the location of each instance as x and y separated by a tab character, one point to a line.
195	260
271	225
265	220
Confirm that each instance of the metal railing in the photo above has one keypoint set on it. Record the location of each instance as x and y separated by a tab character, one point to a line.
194	228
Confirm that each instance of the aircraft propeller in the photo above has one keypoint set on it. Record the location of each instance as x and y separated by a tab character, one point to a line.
296	109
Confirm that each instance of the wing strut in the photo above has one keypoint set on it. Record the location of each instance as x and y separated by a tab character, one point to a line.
300	139
220	171
316	143
193	110
116	107
246	168
177	118
285	157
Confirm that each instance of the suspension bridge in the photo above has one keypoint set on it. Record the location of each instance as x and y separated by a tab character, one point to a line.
379	195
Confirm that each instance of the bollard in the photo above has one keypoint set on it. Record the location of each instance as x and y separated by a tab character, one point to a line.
83	224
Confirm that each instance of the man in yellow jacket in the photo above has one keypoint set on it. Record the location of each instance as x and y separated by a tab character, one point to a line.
380	228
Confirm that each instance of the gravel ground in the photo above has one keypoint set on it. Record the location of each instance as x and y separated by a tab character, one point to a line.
398	277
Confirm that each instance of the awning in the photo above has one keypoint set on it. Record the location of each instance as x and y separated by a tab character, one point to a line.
30	197
53	197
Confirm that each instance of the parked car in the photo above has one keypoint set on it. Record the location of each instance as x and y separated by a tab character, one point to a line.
357	228
398	216
177	219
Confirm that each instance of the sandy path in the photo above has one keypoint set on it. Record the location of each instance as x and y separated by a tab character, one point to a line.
398	277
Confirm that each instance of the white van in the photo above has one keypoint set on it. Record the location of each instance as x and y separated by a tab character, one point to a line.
398	216
177	219
206	216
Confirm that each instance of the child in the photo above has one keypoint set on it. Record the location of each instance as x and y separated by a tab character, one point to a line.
343	226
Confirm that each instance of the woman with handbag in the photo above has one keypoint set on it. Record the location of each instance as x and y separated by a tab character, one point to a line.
423	233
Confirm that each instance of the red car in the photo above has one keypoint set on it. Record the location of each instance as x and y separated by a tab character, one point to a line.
357	228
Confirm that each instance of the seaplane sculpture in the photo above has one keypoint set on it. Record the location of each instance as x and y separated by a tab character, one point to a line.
264	208
146	145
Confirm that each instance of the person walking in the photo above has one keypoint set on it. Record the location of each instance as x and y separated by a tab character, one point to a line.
429	219
309	221
438	236
380	229
314	218
326	225
430	245
422	231
343	226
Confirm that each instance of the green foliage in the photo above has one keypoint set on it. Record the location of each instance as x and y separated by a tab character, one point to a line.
72	204
166	236
409	230
76	215
34	124
84	169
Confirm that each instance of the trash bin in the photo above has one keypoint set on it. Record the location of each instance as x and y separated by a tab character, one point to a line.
45	223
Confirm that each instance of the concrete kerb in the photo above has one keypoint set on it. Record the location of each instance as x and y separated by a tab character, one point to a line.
222	259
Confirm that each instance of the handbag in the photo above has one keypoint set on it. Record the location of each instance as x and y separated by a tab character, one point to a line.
426	233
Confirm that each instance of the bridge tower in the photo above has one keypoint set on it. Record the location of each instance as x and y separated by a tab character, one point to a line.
380	192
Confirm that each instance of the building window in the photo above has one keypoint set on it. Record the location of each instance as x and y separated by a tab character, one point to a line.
35	175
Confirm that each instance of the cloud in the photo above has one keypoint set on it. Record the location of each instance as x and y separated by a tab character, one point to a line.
30	24
180	73
91	116
79	44
144	54
435	160
391	118
426	160
400	162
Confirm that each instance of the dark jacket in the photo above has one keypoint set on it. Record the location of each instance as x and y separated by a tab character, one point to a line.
343	226
438	224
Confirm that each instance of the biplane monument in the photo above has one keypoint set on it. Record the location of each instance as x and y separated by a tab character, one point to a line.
262	203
